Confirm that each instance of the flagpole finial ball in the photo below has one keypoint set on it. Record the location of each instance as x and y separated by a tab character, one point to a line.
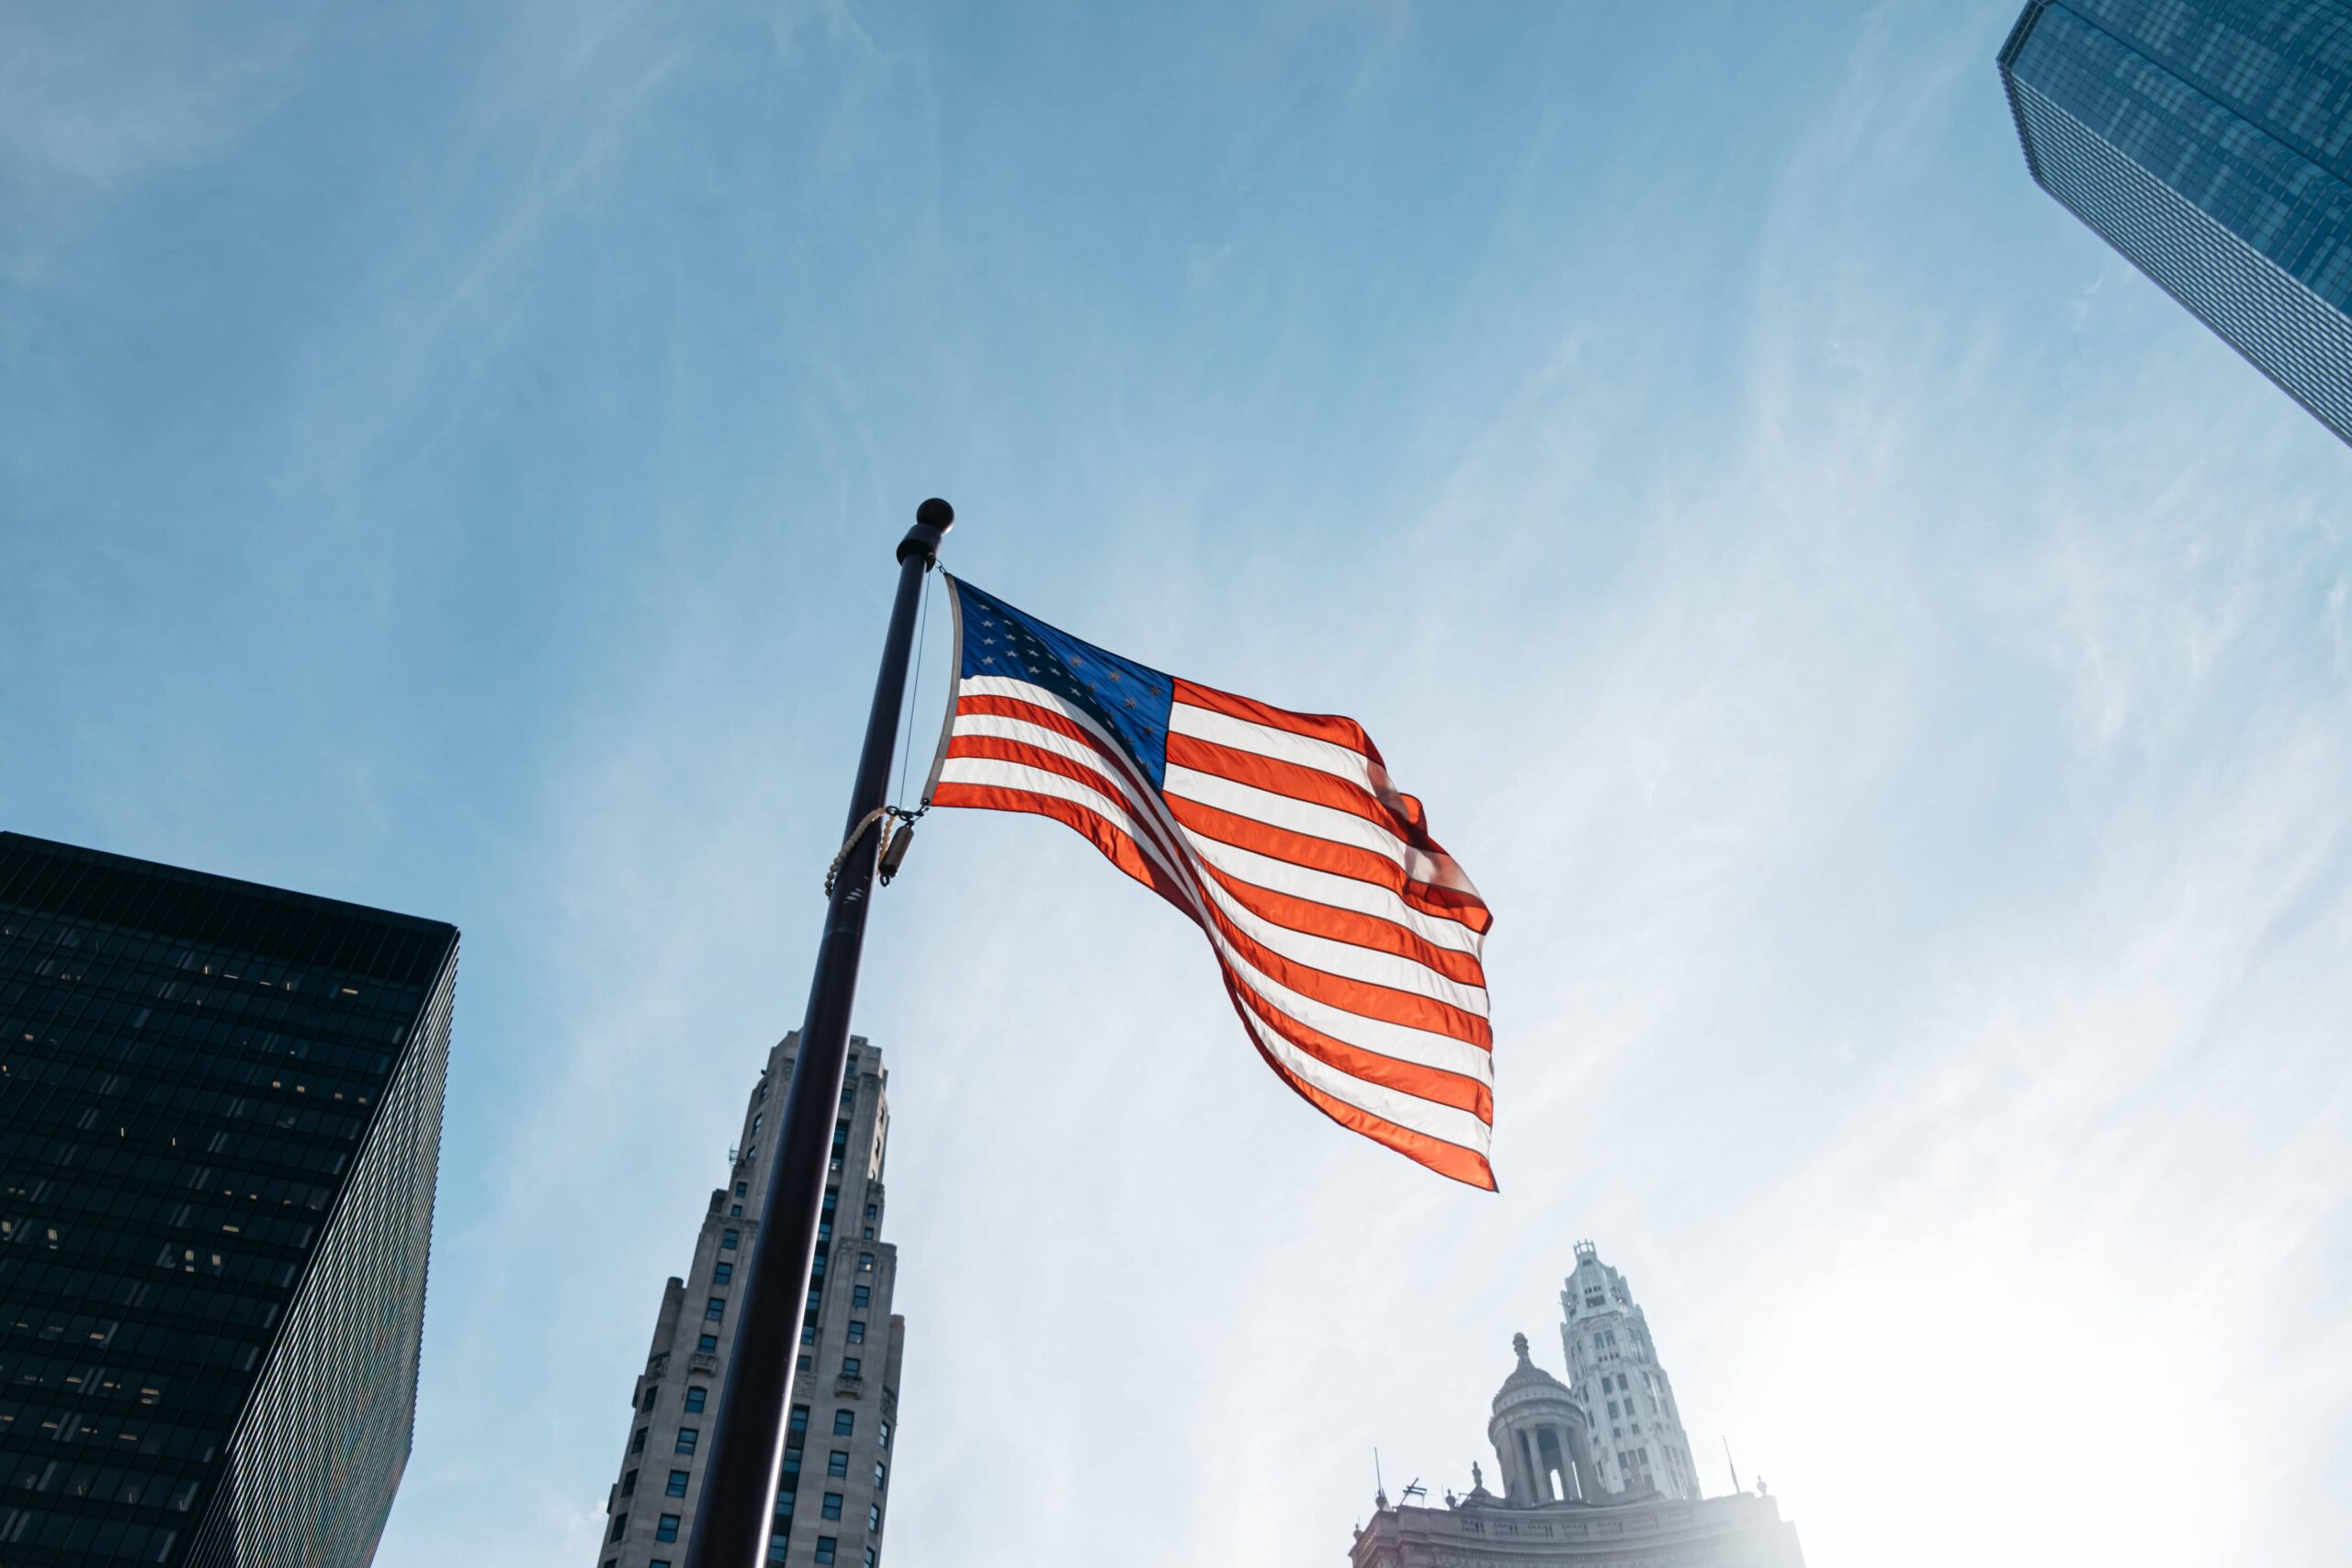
933	519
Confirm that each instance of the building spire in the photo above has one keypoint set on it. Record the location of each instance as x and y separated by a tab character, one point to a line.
1615	1373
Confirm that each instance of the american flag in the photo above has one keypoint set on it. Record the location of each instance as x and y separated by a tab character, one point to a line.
1348	940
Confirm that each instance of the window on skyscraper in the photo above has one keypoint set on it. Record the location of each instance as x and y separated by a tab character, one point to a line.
844	1423
677	1487
667	1530
694	1397
687	1438
857	1331
724	1274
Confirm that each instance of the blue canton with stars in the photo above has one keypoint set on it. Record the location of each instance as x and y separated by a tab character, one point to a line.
1129	700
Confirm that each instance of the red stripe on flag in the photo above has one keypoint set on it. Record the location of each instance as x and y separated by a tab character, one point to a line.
1350	926
1386	1003
1156	846
1116	846
1465	1166
1433	1084
1277	778
1328	726
1137	800
1452	903
1322	854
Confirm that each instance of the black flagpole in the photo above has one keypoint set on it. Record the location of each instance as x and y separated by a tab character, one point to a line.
739	1482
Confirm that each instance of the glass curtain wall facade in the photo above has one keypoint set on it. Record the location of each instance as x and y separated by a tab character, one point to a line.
2211	142
220	1124
833	1497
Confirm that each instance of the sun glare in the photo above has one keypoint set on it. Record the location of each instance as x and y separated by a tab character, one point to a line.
1962	1410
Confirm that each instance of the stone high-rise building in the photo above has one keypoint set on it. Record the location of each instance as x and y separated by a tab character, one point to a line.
832	1501
1552	1513
2211	142
220	1122
1613	1372
1557	1507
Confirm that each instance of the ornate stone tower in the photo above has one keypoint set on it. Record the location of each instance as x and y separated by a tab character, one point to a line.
1555	1513
834	1485
1541	1438
1614	1374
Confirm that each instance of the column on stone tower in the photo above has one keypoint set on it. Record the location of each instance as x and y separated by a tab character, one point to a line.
1539	1433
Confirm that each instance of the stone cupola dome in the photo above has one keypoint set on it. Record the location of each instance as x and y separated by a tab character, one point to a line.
1541	1438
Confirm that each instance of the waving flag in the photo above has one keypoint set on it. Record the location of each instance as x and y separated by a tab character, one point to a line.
1349	940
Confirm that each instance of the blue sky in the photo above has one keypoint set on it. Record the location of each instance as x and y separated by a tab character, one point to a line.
1884	664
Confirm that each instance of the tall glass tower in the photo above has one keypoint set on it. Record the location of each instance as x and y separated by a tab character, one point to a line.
2211	142
220	1122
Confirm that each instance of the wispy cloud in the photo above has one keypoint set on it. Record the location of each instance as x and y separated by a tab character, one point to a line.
101	99
1886	667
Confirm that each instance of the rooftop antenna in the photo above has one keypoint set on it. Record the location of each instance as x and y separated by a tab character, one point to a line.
1379	1487
1412	1490
1736	1486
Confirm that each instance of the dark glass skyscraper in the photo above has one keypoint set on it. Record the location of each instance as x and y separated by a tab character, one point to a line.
220	1120
2209	141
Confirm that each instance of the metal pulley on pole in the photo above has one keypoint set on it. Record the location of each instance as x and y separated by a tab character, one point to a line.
739	1484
